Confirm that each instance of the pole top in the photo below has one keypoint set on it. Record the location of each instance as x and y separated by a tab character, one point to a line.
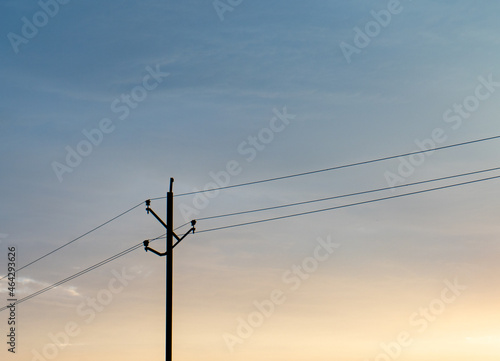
171	184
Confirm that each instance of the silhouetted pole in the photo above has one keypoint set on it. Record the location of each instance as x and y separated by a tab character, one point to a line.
169	270
169	267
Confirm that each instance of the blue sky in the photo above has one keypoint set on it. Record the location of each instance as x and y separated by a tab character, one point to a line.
228	76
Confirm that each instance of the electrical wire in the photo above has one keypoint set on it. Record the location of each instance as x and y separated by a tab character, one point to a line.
335	167
344	195
347	205
76	275
76	239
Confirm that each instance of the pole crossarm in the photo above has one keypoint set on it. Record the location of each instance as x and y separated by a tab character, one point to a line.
146	242
179	239
147	248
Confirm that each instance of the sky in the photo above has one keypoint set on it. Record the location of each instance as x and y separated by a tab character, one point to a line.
102	102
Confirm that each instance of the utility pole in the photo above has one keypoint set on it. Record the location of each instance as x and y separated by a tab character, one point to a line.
169	267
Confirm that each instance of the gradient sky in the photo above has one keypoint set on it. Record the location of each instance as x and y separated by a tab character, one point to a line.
410	279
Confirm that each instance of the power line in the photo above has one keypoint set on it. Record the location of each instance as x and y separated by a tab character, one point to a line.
81	273
258	182
347	205
133	248
76	239
345	195
336	167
